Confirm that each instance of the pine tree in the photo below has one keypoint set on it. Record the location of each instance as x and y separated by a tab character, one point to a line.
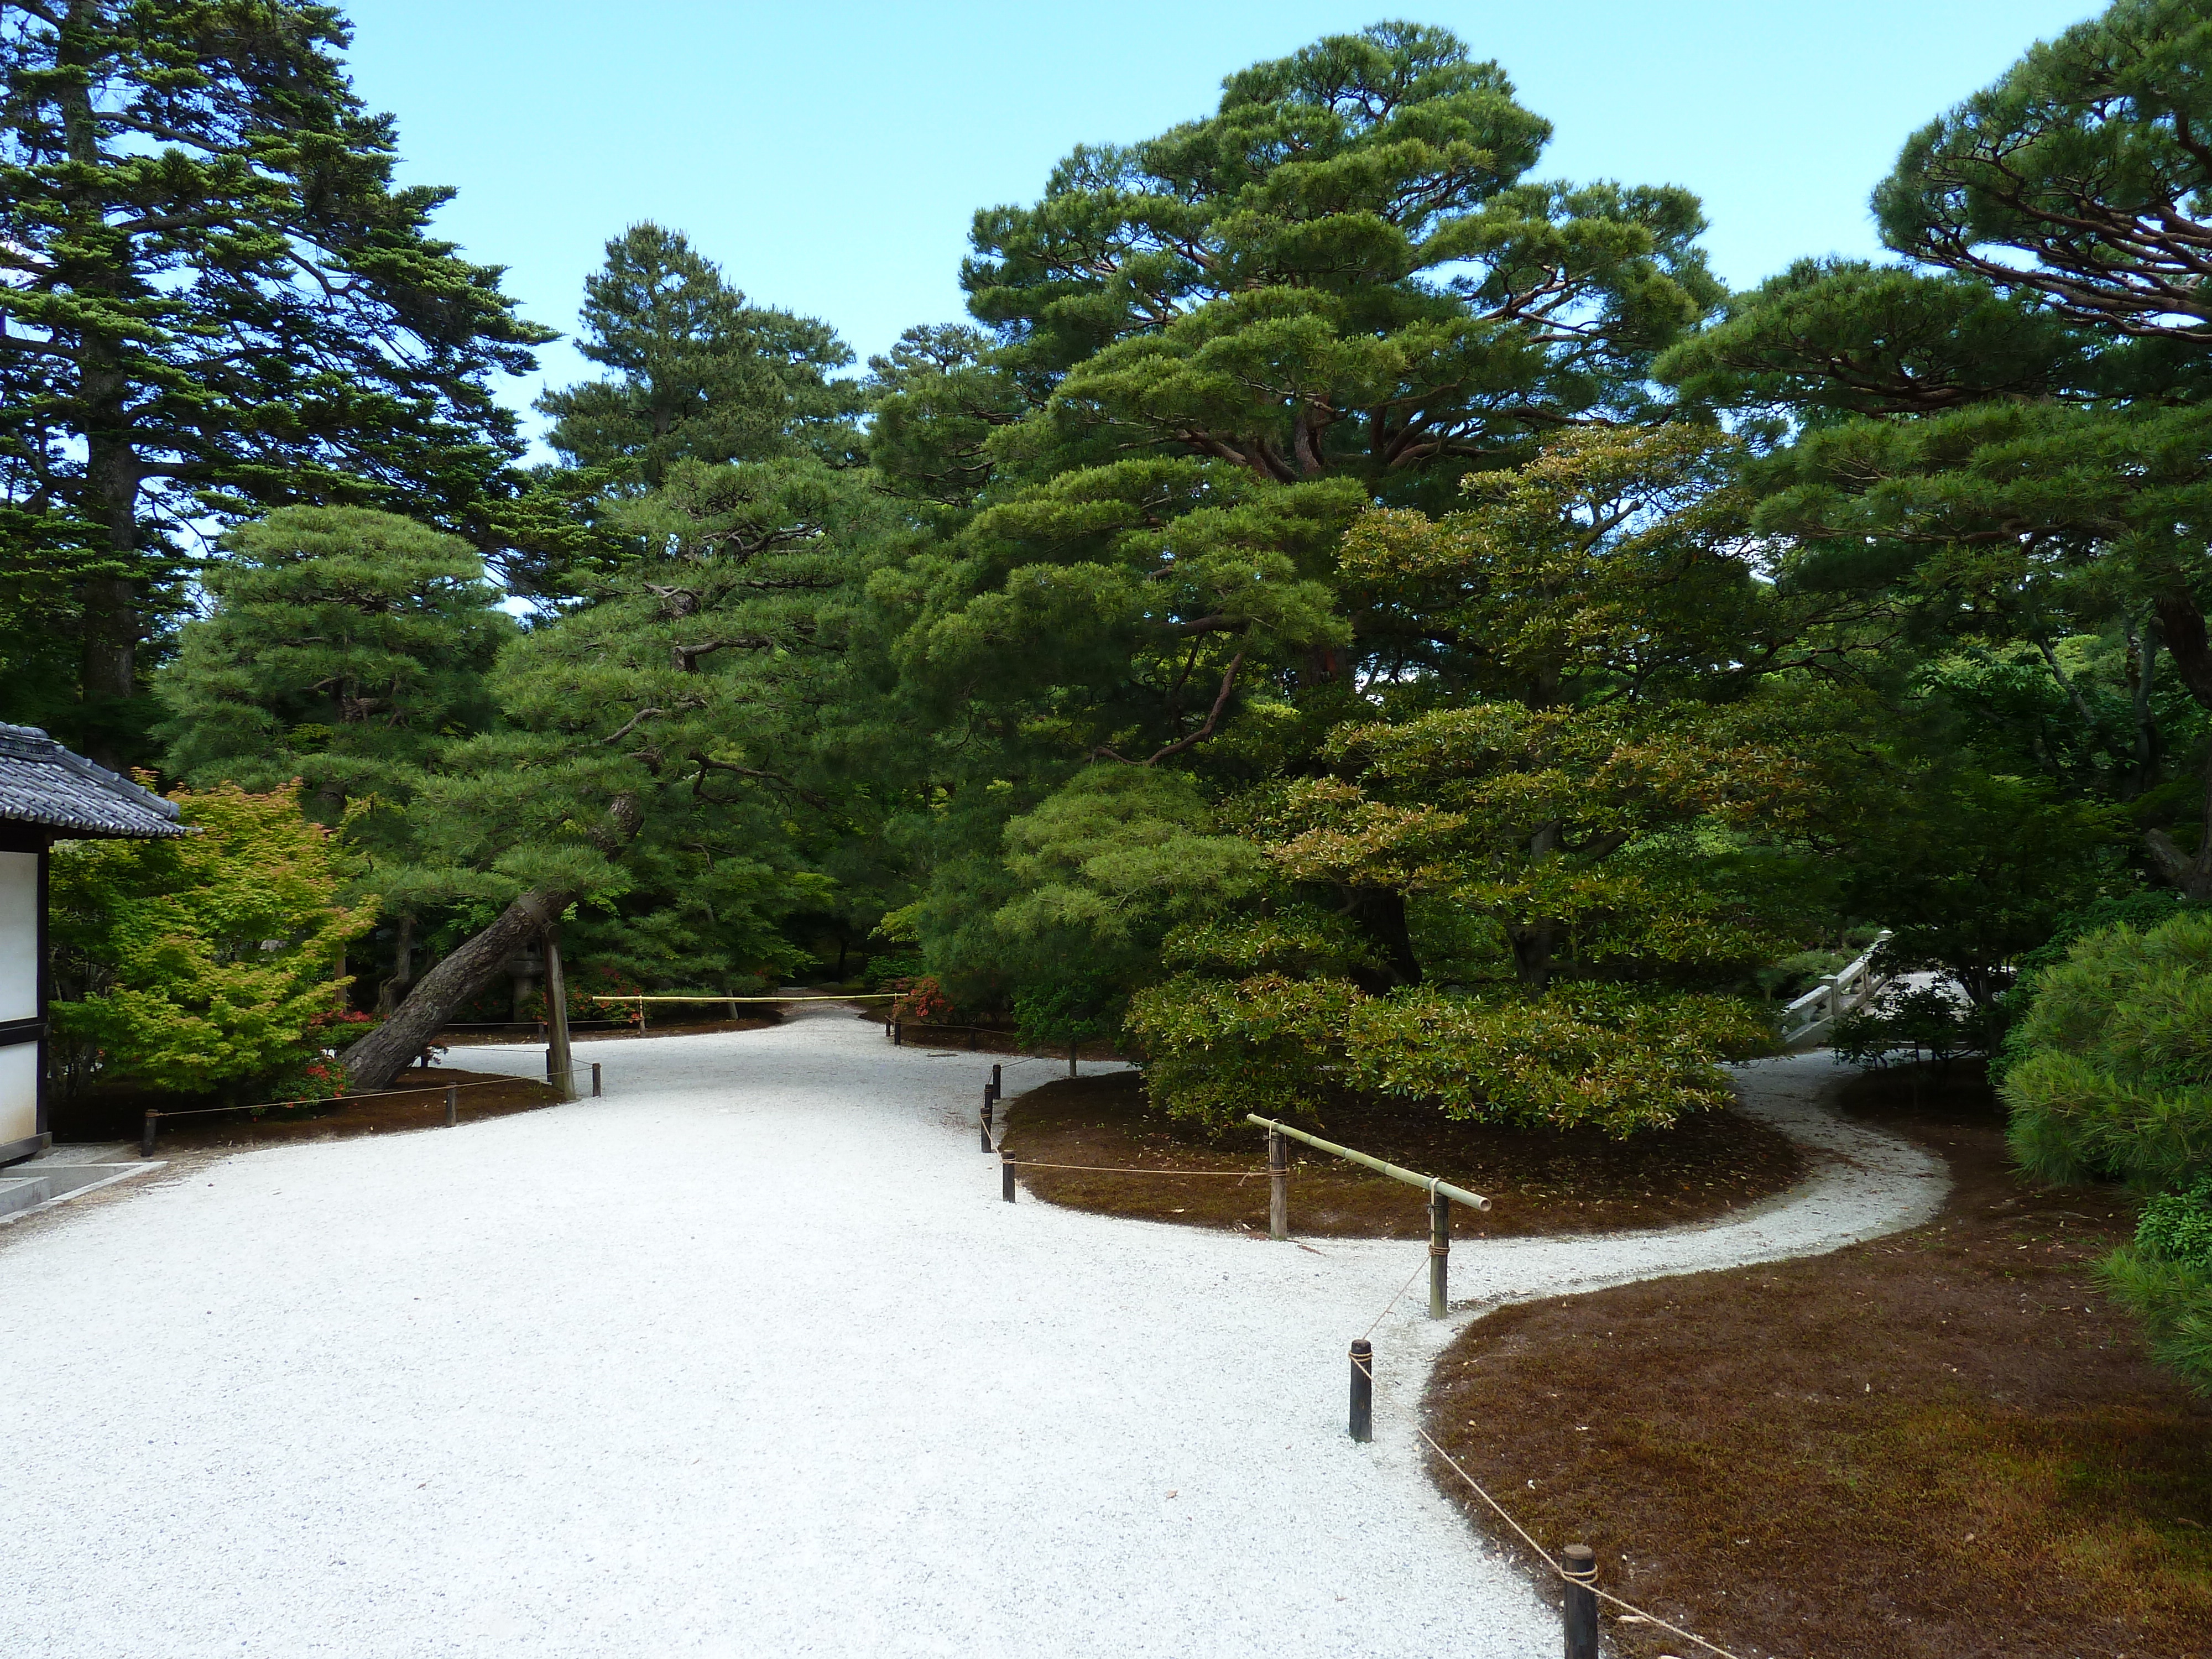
344	648
700	374
213	297
2009	439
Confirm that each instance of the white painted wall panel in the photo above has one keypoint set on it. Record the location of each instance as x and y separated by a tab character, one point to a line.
19	937
18	1091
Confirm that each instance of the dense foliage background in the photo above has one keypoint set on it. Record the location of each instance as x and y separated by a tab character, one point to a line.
1346	616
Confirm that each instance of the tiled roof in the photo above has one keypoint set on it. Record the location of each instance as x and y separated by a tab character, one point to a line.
41	783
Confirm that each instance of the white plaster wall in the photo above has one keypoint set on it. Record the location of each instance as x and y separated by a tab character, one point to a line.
18	1091
19	936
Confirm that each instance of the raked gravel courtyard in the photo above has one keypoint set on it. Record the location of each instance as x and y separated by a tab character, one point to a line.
750	1357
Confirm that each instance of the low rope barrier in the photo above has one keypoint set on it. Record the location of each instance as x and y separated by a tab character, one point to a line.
1545	1555
333	1100
1393	1302
1129	1169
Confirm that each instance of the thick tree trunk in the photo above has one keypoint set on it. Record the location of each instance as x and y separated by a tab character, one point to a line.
2181	629
378	1058
110	626
403	966
1532	955
1380	913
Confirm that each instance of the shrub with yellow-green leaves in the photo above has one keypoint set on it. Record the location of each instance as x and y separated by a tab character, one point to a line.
211	961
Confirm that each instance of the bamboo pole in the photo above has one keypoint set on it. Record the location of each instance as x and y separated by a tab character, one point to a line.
1428	1184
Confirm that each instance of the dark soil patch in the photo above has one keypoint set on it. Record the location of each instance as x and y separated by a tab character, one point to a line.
1938	1445
979	1039
1537	1181
119	1116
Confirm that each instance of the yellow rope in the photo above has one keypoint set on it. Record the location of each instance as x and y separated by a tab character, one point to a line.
1545	1555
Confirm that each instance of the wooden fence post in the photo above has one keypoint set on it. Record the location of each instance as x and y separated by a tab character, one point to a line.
595	1079
898	1034
147	1132
1005	1174
998	1084
1578	1562
1439	1255
986	1120
1363	1390
452	1105
1278	1185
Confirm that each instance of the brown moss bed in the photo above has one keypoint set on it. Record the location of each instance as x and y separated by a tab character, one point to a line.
1937	1445
409	1105
1537	1181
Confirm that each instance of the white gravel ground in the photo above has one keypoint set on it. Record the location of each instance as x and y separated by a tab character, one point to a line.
749	1358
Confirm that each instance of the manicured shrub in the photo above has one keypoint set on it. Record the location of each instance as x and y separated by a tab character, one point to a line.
210	961
2111	1077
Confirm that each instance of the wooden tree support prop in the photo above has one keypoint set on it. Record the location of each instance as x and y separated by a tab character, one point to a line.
1442	1196
1439	1255
1278	1185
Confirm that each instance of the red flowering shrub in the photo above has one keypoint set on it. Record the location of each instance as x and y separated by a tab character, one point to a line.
921	999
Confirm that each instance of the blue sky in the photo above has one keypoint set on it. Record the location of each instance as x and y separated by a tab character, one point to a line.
830	153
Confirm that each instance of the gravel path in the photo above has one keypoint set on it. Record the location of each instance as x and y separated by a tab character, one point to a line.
750	1357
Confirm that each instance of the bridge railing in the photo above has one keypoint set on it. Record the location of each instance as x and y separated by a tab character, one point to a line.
1836	995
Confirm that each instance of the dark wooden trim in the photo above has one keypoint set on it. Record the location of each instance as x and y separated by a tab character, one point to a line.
12	1032
18	837
45	991
16	1151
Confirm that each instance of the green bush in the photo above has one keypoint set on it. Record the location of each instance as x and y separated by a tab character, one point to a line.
2111	1077
209	961
1621	1058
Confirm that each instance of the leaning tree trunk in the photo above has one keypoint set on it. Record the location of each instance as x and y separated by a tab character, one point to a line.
381	1056
378	1058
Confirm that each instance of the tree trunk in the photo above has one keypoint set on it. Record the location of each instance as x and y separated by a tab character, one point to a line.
109	629
1532	955
2181	630
380	1056
1380	913
402	967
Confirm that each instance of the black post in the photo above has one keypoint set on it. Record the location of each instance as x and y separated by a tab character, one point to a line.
595	1079
998	1083
452	1105
898	1034
1278	1185
146	1134
1005	1176
1363	1390
1439	1255
1579	1563
986	1120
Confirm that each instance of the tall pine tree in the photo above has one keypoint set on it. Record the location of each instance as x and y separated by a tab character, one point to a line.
212	297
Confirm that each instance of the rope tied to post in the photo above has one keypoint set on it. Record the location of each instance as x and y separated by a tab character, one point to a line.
1131	1168
1588	1580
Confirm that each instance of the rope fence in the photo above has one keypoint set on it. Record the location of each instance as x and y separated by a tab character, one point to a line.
1578	1572
1578	1579
565	1089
